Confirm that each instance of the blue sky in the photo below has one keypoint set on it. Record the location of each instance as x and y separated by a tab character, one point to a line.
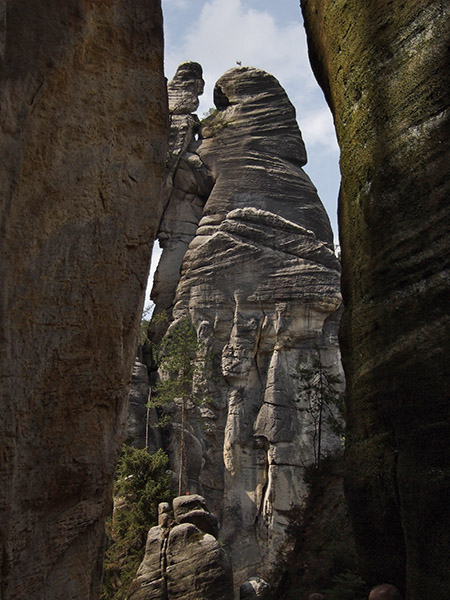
264	34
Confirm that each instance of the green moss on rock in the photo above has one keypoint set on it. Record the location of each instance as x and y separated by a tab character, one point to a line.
384	68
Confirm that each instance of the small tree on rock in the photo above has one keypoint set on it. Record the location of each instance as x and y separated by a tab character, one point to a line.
325	404
181	372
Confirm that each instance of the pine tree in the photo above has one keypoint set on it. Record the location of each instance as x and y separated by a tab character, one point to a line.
141	483
180	372
321	389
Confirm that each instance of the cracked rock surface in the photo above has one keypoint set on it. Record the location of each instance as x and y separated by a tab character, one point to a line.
183	560
248	253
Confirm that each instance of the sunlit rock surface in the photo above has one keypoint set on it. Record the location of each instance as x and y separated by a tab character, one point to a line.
183	559
83	113
384	68
187	184
260	282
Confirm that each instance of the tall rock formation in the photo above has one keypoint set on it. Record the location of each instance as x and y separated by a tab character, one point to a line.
187	185
385	70
260	283
83	115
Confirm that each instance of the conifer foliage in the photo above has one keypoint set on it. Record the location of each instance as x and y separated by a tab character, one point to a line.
321	389
142	482
181	372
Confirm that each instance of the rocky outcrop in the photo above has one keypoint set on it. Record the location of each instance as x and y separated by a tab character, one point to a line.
187	186
260	283
255	589
183	559
83	142
385	71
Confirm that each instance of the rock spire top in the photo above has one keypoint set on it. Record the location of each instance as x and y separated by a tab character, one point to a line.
185	88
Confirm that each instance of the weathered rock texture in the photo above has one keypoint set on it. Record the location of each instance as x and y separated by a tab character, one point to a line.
255	589
139	432
260	282
137	406
83	142
183	559
384	67
187	186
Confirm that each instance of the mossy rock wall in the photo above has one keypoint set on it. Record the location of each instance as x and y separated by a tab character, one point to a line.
384	68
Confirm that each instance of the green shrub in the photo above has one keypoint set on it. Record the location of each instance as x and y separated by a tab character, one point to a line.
209	114
142	482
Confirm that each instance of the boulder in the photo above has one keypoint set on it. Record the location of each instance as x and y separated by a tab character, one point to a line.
181	561
164	516
206	522
192	509
198	568
188	503
255	589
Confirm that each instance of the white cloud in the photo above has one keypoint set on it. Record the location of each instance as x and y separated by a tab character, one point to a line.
227	31
216	33
175	3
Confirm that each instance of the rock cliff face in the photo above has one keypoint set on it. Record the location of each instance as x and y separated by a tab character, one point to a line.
183	559
138	431
260	282
384	67
83	143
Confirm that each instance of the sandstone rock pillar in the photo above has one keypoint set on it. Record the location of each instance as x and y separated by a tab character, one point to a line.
259	280
183	558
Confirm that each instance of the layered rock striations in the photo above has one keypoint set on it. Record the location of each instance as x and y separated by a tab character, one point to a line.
384	68
187	186
83	142
183	558
260	283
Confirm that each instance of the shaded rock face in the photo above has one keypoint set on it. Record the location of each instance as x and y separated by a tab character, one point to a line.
325	546
260	283
83	143
183	560
385	70
139	432
137	405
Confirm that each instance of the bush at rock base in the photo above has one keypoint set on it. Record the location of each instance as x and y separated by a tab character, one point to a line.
142	482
